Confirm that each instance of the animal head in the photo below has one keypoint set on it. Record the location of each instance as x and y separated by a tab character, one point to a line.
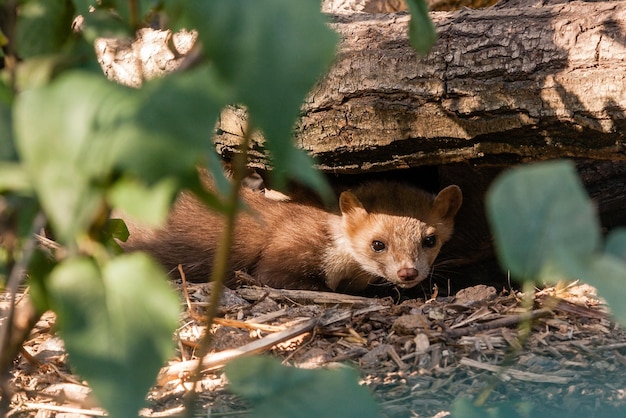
396	231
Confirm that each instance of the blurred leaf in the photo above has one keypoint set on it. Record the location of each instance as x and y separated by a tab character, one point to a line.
117	229
541	218
68	152
135	17
116	334
43	26
299	168
174	124
39	270
270	53
13	177
616	243
177	13
280	391
215	168
83	7
607	274
157	133
4	41
464	408
103	23
149	204
422	33
39	71
7	142
546	227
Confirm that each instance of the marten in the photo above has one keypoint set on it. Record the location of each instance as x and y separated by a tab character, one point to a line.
383	232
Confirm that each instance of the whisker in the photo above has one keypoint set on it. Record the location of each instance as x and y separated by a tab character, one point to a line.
384	283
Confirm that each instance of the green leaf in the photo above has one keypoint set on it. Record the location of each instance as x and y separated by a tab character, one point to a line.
464	408
148	204
117	324
270	53
299	168
38	71
133	12
65	134
7	142
616	243
98	127
4	41
13	177
546	227
422	33
215	167
174	124
103	23
83	7
43	26
279	391
39	268
607	274
541	218
118	229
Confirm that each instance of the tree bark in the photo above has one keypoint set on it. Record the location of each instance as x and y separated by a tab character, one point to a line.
501	84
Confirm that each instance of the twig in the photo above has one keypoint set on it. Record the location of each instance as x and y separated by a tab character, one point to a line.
396	358
65	409
507	321
19	321
247	325
28	357
217	360
220	262
183	279
305	296
268	316
172	412
514	373
65	376
615	346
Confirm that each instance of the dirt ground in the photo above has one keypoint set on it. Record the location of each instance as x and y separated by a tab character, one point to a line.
563	354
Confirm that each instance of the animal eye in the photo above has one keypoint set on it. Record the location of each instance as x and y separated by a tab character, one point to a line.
429	241
378	246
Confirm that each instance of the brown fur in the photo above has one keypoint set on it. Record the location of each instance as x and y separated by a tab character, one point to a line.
292	245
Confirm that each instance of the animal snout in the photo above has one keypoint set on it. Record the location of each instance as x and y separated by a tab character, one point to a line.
408	274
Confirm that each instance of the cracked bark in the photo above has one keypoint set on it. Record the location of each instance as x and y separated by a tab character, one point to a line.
504	84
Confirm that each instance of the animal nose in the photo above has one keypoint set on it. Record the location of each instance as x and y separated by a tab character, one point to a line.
408	274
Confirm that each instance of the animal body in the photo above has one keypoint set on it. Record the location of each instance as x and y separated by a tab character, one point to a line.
382	232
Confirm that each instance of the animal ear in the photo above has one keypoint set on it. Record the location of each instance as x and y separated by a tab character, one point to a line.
448	202
349	203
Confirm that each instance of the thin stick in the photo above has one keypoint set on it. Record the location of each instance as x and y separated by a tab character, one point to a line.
307	296
217	360
18	323
247	325
220	263
506	321
65	409
183	279
508	372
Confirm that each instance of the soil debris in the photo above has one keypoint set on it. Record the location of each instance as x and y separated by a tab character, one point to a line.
565	355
